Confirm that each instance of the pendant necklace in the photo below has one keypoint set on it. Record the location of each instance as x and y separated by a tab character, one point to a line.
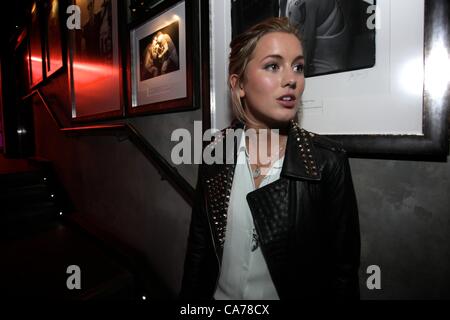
257	171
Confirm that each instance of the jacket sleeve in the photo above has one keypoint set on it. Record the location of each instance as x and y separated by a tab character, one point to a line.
346	235
198	247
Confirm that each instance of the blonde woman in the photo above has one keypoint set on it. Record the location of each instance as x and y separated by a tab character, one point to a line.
286	227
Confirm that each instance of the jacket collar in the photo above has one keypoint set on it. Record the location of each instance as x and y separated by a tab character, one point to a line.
301	158
301	161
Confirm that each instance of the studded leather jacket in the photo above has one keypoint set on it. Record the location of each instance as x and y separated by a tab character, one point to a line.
307	221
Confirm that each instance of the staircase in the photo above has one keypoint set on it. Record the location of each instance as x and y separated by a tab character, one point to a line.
38	244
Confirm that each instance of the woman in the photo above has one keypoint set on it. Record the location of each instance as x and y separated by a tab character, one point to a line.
289	231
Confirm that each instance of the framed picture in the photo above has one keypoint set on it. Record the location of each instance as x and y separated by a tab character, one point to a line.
385	97
53	36
164	59
36	64
94	62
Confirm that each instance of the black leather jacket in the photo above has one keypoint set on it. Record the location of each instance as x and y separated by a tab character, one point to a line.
307	221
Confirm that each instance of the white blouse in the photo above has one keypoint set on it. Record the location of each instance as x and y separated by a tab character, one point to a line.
244	274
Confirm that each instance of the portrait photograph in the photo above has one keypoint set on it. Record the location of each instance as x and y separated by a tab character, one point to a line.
159	52
158	59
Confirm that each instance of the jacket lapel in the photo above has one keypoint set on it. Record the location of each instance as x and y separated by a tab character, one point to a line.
269	204
218	180
301	160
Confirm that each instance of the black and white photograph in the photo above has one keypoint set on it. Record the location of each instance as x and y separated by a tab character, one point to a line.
159	52
337	34
360	60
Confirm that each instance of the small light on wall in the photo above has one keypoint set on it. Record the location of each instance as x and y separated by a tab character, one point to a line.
21	131
144	297
52	195
45	179
60	213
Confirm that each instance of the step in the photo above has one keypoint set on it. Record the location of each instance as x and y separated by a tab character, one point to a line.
36	267
17	179
29	209
28	193
19	221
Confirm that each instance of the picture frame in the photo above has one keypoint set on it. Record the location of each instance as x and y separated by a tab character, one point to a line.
94	62
36	49
22	63
392	129
139	10
54	52
167	81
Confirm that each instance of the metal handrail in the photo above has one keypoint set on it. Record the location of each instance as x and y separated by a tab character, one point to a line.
165	169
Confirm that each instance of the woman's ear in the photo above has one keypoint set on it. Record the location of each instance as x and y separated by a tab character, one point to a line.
236	84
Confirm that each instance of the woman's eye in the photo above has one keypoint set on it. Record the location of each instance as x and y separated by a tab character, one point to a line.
271	67
299	68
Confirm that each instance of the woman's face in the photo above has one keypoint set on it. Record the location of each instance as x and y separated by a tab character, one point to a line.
273	81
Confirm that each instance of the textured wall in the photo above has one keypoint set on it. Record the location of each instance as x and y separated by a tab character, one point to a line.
405	227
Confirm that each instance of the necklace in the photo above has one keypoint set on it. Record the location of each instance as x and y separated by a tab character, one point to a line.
257	171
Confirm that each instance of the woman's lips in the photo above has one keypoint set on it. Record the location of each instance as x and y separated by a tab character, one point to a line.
287	101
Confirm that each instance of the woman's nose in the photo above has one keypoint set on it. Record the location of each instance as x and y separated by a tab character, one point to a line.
290	82
289	79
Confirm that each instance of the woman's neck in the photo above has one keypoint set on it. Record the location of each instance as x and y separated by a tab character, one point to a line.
264	144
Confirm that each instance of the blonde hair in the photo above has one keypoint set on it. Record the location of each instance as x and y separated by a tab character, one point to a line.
242	47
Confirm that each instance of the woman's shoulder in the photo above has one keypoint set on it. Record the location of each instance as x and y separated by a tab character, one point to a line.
325	142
